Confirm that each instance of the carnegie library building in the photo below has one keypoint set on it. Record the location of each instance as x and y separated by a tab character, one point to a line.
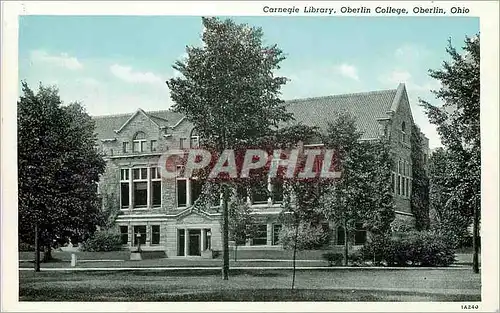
158	212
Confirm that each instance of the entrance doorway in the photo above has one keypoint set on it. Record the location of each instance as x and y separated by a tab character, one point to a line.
192	242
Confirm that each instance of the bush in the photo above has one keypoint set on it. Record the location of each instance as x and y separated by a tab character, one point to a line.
425	248
102	241
26	247
356	258
333	258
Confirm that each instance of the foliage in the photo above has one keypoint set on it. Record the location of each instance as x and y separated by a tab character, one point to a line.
58	168
365	170
450	219
242	224
333	258
456	171
24	247
102	241
110	210
356	258
416	248
420	182
310	236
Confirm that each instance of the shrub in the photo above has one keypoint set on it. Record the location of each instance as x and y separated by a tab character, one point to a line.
102	241
333	258
26	247
356	258
425	248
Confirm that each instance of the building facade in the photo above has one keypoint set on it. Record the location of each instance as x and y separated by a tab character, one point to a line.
158	212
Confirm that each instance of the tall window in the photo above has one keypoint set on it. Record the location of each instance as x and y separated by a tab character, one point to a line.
182	143
360	234
403	132
139	142
340	235
125	147
140	230
196	187
124	234
125	187
155	234
140	181
153	145
260	194
155	187
277	193
260	238
181	192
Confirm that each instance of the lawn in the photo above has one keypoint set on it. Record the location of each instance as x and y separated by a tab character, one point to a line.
251	285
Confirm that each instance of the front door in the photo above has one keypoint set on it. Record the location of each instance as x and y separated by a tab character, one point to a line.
194	241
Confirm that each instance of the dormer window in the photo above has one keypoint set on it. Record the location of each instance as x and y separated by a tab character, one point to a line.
139	142
403	132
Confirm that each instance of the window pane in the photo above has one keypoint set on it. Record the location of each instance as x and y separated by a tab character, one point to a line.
360	237
260	194
125	195
135	146
277	192
156	188
180	242
155	234
276	234
399	184
124	174
144	173
136	173
125	147
407	188
181	192
140	194
142	144
196	187
153	145
124	234
261	236
340	235
140	230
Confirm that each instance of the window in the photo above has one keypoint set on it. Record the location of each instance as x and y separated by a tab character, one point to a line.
392	182
403	132
399	185
139	230
260	194
155	234
140	187
241	192
407	187
139	142
360	234
260	238
340	235
155	187
153	145
124	188
277	194
182	143
196	188
276	234
181	192
124	234
125	147
194	139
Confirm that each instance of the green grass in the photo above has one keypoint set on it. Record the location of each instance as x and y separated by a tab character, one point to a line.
251	285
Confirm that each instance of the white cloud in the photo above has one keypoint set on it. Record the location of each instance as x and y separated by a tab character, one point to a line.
61	60
396	77
411	52
349	71
126	73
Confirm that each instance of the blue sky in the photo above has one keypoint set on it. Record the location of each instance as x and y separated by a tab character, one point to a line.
116	64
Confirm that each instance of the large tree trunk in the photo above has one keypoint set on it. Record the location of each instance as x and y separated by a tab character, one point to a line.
225	233
475	240
346	245
37	249
295	252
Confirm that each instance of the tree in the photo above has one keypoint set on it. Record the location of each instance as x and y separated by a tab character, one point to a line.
420	182
458	125
363	192
228	90
242	224
58	170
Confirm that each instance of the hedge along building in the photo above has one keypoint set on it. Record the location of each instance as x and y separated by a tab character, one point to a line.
158	212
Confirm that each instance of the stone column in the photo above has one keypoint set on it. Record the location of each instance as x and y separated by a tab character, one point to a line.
202	243
188	192
186	241
130	189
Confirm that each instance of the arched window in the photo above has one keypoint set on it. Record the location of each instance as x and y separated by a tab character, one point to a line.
403	132
139	142
194	140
